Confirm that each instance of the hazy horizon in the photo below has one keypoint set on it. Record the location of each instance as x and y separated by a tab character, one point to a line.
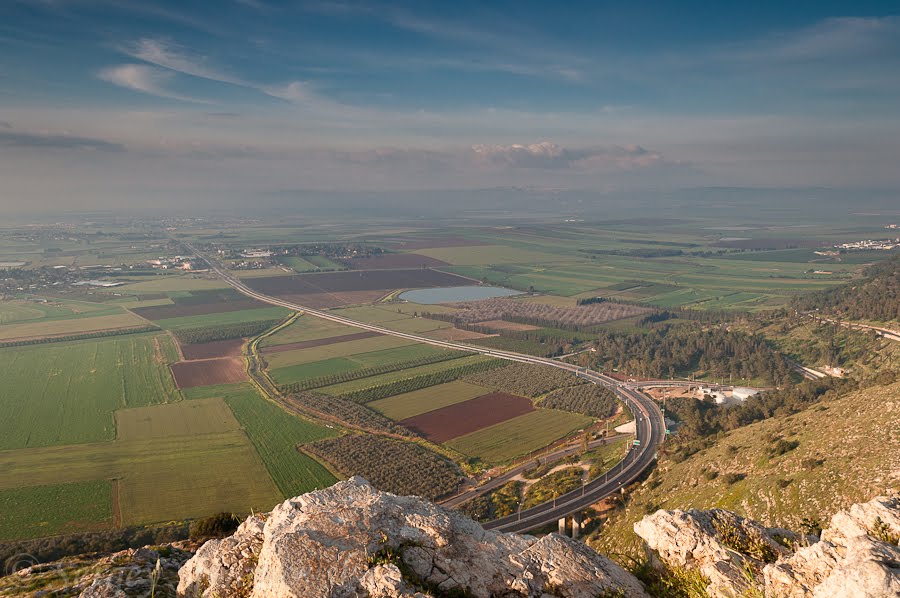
316	105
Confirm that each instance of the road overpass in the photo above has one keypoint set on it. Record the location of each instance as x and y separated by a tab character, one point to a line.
649	424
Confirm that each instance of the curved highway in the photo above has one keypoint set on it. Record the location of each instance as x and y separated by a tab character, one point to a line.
649	429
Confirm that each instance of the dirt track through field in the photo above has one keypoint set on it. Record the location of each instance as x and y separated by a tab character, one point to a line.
469	416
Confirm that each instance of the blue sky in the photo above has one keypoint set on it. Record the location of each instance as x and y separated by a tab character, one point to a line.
102	101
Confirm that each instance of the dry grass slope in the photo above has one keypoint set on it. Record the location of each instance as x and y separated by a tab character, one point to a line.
781	470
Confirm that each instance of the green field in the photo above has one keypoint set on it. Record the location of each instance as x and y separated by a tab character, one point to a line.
519	436
35	511
427	399
66	393
276	435
365	350
298	264
164	470
356	361
307	328
221	319
170	282
12	312
57	327
402	374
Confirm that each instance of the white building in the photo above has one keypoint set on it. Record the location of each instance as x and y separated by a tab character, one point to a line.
742	393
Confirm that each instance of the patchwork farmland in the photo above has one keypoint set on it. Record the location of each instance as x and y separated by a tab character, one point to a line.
447	423
333	289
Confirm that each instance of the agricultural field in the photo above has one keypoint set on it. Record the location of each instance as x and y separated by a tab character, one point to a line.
171	461
209	372
306	328
53	328
588	399
224	348
321	342
395	466
411	404
542	314
389	261
519	436
35	511
66	393
276	435
295	366
359	347
361	379
525	379
213	320
297	264
333	289
459	419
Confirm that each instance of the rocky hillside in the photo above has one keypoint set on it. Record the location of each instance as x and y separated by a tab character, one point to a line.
791	472
353	541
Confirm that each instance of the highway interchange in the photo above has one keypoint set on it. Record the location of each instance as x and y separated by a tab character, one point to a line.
649	422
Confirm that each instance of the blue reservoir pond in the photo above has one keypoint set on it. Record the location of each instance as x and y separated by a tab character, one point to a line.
455	294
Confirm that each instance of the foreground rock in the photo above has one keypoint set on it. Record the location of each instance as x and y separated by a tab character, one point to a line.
133	572
352	540
856	556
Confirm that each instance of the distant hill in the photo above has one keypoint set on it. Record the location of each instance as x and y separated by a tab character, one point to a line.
781	470
876	297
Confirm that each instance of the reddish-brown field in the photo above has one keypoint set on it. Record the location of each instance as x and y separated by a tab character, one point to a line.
469	416
163	312
226	348
394	260
206	372
319	342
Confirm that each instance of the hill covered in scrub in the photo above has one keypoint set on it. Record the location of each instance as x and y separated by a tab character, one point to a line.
794	471
875	297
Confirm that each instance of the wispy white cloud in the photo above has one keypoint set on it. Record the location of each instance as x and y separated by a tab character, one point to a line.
549	155
10	138
145	79
843	38
173	57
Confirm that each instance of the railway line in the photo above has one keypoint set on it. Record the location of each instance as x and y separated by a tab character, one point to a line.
649	422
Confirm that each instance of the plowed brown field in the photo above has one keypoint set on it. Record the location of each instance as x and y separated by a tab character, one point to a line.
226	348
469	416
206	372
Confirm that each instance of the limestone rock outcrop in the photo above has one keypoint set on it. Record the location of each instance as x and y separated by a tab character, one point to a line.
857	555
352	540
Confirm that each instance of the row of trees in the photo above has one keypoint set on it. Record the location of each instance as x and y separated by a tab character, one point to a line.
389	389
78	337
526	379
392	465
349	376
349	412
590	399
208	334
